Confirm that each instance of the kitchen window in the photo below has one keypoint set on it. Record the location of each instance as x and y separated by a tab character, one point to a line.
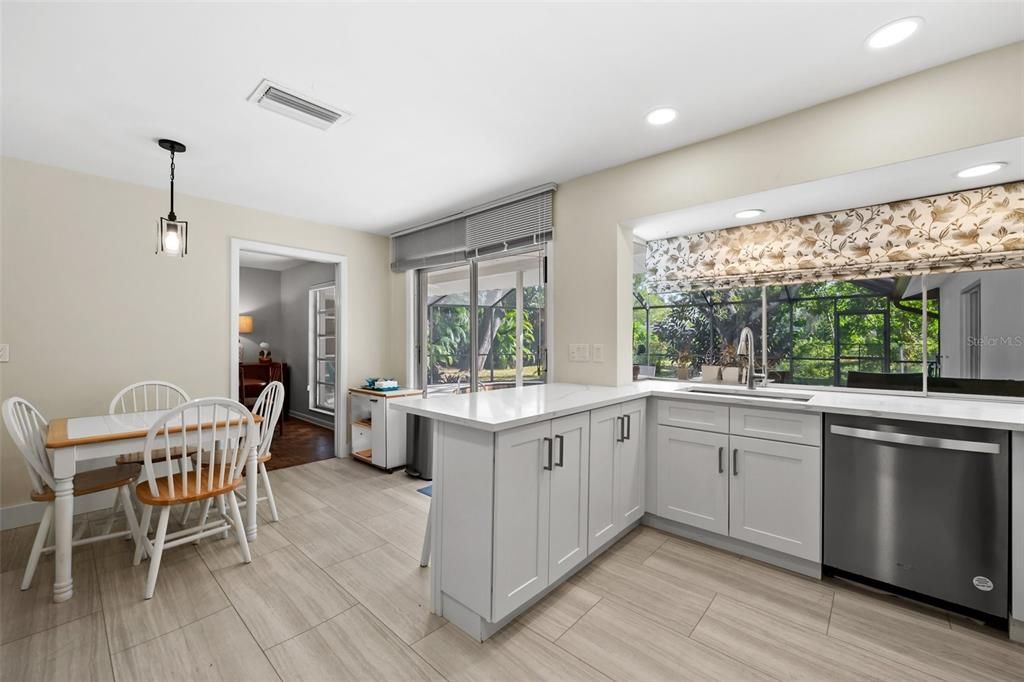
322	347
506	347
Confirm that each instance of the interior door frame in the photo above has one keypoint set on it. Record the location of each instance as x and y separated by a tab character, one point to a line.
341	444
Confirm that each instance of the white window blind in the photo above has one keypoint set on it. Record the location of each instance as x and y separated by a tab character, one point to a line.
514	221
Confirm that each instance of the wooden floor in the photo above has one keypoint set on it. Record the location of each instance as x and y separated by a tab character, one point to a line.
335	592
300	442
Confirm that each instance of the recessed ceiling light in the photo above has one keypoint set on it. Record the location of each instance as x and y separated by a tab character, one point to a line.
661	116
750	213
894	32
983	169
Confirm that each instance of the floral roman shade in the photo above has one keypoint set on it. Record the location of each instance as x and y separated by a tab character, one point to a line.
978	229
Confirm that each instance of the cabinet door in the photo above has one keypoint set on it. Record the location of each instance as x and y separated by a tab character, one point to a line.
693	479
567	545
601	518
629	465
775	495
521	504
379	431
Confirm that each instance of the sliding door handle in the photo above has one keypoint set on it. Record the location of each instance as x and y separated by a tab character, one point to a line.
721	451
561	450
547	441
735	462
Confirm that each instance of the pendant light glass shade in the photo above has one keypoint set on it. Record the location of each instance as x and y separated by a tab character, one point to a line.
171	233
172	237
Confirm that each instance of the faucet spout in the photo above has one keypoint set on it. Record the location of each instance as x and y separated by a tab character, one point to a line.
746	347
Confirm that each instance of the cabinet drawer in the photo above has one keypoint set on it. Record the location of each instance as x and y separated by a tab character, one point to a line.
802	428
693	415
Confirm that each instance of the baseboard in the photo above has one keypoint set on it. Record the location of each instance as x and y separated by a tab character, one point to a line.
28	513
1016	630
769	556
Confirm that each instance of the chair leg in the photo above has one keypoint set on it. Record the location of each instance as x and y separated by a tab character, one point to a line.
236	516
265	480
37	546
140	548
425	553
186	513
129	515
109	525
158	551
204	514
223	511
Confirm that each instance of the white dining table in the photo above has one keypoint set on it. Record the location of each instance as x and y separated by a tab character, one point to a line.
82	439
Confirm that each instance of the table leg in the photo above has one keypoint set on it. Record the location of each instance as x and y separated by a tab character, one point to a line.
252	475
64	511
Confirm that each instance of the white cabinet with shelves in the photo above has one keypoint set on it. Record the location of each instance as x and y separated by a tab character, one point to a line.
376	432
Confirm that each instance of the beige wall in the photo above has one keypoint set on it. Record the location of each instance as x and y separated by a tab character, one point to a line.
88	308
962	104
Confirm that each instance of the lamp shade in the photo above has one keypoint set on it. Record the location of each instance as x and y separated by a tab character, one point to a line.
245	324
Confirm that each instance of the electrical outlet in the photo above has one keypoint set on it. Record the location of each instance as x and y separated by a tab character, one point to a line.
598	354
579	352
5	352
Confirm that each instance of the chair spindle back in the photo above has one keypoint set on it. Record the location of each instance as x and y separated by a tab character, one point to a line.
148	395
27	427
219	429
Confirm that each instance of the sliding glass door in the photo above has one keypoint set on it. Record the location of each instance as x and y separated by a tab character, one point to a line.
483	325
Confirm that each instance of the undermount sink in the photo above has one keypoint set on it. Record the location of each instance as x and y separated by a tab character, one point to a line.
743	392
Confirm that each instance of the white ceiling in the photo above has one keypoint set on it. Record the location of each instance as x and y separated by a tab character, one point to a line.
452	105
907	180
267	261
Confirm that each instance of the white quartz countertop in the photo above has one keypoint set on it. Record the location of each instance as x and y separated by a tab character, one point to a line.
504	409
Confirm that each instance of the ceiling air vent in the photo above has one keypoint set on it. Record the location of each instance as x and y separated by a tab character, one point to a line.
288	103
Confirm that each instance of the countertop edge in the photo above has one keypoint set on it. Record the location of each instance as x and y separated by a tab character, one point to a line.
672	394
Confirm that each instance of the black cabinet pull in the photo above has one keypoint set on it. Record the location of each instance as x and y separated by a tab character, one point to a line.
720	469
735	462
629	427
548	466
622	429
561	450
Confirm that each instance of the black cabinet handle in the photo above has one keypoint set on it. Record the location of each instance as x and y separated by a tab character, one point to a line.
720	469
622	429
373	400
735	462
561	450
548	466
629	427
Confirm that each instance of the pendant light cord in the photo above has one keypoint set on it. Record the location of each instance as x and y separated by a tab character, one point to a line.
171	216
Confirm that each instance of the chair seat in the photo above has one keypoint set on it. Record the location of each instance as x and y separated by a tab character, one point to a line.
164	497
264	458
158	456
88	482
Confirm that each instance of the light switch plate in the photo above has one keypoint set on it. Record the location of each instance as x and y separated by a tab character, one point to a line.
5	352
579	352
598	354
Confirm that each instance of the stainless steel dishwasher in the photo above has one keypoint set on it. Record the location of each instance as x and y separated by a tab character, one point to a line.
919	506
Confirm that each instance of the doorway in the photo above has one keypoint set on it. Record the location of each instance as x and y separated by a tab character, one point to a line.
288	322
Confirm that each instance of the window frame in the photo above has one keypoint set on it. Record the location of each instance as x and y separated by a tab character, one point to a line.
313	356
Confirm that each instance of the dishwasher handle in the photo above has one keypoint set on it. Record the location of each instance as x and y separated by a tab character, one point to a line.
922	441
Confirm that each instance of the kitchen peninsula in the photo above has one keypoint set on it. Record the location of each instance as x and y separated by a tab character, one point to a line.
531	483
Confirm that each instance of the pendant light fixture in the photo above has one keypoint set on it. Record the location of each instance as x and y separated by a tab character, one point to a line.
172	234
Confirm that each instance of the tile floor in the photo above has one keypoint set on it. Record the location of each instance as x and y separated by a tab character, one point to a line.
335	592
